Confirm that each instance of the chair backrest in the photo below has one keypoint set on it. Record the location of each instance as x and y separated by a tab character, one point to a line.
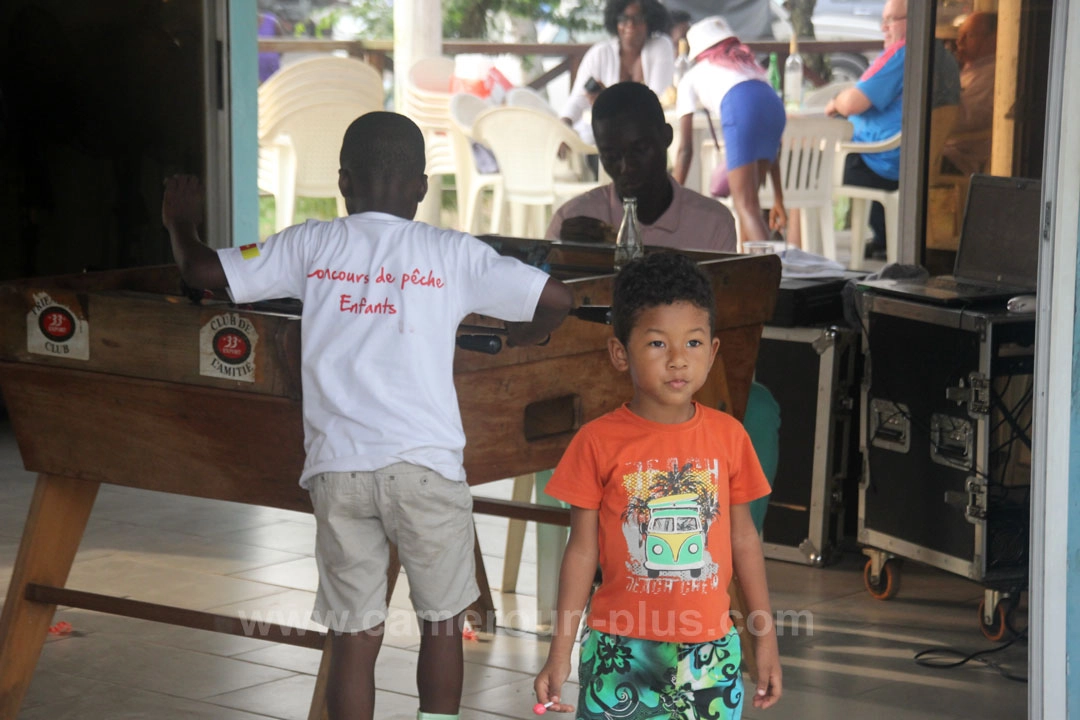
315	133
432	74
820	97
527	97
807	154
464	107
526	145
324	72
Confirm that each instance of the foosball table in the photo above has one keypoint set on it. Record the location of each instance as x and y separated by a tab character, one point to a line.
121	377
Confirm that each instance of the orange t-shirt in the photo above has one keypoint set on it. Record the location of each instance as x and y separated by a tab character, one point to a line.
663	493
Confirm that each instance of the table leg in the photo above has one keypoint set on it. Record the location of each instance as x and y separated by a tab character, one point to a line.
746	638
54	526
484	607
550	544
515	535
318	709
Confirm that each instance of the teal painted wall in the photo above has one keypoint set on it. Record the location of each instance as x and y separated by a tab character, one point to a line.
244	84
1072	592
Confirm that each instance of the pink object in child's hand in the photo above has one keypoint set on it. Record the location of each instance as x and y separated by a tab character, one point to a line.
541	708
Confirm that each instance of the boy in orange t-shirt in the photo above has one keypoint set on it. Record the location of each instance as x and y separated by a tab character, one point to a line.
659	492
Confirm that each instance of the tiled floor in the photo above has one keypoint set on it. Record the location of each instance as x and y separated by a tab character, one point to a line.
848	656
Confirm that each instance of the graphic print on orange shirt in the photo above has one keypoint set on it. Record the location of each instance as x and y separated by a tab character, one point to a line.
667	519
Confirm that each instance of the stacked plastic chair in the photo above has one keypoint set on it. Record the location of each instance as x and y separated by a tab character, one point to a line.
304	110
427	102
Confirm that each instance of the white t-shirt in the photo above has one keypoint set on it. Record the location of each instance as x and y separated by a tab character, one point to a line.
705	85
601	61
383	298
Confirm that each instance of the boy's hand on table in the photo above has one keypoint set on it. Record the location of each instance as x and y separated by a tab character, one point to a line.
582	228
523	333
183	201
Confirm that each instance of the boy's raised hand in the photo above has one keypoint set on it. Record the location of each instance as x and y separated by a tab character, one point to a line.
548	685
181	213
183	201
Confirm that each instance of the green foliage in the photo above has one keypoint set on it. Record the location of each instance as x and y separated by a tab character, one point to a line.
464	19
469	18
306	208
375	18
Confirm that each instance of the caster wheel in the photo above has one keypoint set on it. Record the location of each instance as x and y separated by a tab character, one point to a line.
888	583
998	630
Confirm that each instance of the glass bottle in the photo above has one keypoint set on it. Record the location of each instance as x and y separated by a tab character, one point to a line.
774	72
793	76
682	62
628	245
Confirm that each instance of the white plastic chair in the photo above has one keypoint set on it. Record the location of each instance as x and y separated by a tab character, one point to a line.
526	144
470	182
304	110
573	166
807	153
861	197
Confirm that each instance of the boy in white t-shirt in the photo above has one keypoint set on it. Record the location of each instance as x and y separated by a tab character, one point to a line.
382	298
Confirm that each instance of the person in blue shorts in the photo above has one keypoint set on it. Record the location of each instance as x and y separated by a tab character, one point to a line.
727	80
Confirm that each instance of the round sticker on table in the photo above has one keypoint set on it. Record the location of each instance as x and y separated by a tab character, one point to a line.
231	346
56	323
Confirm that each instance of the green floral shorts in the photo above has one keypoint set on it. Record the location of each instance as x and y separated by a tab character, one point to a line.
634	679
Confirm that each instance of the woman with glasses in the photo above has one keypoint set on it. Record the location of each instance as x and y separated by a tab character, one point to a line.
640	50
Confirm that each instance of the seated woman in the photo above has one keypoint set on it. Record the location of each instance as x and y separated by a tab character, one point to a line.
640	51
727	80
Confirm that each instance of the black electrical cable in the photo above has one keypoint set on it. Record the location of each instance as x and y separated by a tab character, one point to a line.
923	658
1017	430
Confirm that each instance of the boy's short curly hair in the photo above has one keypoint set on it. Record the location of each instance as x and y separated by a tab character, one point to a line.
657	18
659	278
378	144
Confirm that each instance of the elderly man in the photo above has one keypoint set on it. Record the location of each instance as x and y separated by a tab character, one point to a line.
976	50
874	108
633	137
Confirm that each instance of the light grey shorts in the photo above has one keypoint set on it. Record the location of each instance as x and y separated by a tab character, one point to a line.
357	514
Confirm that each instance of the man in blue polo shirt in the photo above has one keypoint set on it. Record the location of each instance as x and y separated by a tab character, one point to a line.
874	107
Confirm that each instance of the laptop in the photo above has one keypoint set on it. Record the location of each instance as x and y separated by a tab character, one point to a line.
998	252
